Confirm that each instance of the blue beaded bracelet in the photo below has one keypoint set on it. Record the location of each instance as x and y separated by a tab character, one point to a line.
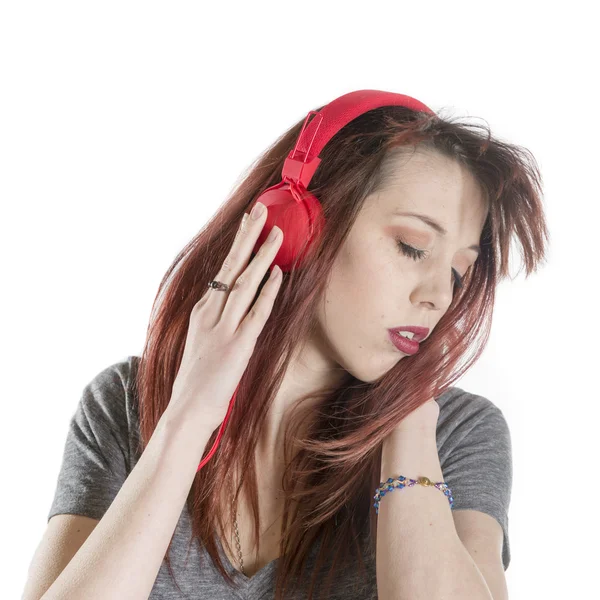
401	482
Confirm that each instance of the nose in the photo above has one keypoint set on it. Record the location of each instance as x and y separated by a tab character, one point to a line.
435	290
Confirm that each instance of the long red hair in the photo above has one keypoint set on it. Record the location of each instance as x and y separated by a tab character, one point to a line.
331	478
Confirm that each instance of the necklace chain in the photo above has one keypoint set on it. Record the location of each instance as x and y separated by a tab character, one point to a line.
237	538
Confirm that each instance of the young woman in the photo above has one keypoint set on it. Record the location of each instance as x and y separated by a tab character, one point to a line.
390	218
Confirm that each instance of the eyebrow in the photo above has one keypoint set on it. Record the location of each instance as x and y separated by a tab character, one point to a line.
434	225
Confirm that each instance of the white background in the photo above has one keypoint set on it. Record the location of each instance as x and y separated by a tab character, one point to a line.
124	125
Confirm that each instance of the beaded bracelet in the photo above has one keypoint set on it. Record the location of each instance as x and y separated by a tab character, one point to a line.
399	482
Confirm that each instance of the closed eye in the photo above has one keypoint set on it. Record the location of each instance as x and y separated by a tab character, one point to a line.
417	254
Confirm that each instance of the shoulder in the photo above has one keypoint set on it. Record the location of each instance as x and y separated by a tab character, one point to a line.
101	444
456	399
109	397
469	417
459	406
114	377
112	382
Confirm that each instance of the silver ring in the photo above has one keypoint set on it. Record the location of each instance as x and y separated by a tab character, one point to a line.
218	285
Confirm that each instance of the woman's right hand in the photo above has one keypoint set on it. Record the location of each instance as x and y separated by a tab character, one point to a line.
223	327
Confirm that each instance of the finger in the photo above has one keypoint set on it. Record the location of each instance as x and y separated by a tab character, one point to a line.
234	264
208	293
243	292
254	322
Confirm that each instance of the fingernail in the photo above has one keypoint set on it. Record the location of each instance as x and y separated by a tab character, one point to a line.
258	209
273	234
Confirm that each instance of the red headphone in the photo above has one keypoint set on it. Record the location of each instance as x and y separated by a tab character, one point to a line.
291	206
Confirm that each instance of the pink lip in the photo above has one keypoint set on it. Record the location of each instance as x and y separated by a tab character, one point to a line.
420	333
404	344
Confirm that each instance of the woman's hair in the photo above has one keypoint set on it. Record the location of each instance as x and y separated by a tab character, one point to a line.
332	474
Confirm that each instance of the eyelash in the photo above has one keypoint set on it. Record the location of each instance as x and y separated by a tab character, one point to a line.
416	254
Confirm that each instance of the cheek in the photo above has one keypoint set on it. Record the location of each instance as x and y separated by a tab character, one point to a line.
357	308
352	281
358	300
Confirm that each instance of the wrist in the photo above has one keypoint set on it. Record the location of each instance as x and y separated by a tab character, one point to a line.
176	421
422	419
412	453
411	434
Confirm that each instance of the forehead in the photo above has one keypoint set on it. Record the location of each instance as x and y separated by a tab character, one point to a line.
430	183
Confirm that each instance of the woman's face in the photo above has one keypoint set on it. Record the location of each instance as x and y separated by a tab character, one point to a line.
377	284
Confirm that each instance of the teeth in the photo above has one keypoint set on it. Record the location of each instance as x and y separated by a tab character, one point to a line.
406	334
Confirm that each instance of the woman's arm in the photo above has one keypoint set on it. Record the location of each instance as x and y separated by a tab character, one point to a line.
123	554
419	554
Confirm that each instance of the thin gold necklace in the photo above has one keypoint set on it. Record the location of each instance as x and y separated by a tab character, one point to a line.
237	538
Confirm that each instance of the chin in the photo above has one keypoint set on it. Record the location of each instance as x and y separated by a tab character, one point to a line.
369	371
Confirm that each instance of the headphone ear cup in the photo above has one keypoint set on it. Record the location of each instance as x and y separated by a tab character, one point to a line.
298	214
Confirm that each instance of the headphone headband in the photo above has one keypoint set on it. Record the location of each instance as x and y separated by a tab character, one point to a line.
303	160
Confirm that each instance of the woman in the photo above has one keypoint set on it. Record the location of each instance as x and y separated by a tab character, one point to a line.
405	221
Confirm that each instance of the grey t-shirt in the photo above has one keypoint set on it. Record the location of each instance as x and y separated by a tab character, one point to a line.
473	442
